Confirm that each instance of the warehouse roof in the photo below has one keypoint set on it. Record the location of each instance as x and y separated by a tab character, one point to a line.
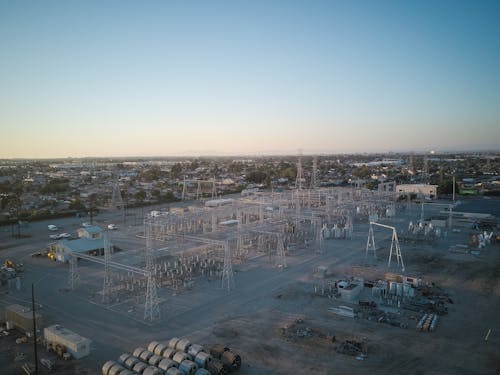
83	245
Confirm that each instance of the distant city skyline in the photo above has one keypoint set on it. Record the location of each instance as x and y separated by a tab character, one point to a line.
168	78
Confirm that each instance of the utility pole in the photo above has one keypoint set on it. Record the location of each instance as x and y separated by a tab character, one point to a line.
34	326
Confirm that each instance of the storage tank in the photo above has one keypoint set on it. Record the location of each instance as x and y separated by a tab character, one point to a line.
202	371
127	372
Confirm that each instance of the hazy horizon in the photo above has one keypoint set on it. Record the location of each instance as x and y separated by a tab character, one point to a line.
176	78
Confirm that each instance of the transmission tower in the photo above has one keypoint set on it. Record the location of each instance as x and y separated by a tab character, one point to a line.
314	176
74	275
227	272
298	178
281	256
116	196
108	282
152	307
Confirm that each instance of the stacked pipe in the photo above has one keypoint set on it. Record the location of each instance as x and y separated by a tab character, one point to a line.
428	322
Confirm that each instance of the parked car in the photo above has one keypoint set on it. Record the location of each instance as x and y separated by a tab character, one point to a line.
86	225
64	235
52	227
112	227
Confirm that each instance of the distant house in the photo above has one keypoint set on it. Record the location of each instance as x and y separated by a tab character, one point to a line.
90	242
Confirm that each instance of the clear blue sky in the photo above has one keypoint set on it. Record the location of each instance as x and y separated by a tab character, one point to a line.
101	78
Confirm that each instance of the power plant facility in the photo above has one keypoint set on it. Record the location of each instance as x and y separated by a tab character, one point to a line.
306	279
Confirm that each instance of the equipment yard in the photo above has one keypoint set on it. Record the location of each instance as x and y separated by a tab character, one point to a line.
294	284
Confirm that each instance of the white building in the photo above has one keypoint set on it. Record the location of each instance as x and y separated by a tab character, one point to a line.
421	190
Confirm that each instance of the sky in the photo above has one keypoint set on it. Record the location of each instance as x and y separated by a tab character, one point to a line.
161	78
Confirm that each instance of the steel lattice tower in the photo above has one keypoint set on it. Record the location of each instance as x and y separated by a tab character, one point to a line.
298	178
151	307
74	275
314	176
227	272
108	282
116	196
281	256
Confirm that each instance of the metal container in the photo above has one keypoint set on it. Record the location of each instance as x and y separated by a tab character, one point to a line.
173	342
130	362
231	360
160	348
116	369
180	356
155	359
202	359
166	363
140	367
127	372
194	349
174	371
183	345
151	370
123	358
106	366
202	371
152	345
169	353
137	352
145	355
188	367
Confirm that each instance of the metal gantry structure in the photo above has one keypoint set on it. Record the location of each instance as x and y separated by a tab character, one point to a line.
395	249
152	307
